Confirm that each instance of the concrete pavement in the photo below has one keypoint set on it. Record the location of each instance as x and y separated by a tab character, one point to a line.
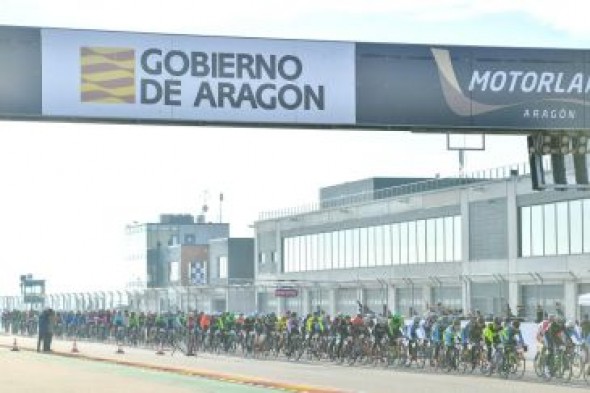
292	376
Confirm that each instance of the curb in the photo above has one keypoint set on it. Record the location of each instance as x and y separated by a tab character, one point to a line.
208	374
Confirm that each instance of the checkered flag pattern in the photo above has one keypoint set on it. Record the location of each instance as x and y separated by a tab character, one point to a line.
198	273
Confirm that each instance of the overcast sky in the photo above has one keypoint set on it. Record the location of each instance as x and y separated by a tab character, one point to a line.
68	190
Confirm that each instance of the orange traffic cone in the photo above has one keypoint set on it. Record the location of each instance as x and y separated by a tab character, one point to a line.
15	346
75	347
160	350
120	349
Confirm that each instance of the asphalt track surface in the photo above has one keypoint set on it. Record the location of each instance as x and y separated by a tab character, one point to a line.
23	371
141	370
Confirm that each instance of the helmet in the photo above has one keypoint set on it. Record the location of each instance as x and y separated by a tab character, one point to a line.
516	323
396	318
416	320
570	324
456	322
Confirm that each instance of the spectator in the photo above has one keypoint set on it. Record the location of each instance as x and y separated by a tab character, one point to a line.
49	331
540	314
43	321
586	327
559	310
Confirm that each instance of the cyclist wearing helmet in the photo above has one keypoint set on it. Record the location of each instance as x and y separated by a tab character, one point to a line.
437	334
414	333
572	335
452	332
395	326
380	331
511	334
554	334
344	331
292	327
491	336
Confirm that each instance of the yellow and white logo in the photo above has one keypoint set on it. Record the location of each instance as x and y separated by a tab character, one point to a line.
107	75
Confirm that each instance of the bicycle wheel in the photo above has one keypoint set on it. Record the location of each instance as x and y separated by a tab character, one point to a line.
576	365
464	360
421	357
519	367
565	371
548	367
505	366
538	364
494	364
586	373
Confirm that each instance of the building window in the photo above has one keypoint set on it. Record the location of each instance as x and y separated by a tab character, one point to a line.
378	247
550	230
261	258
174	271
525	231
362	239
561	228
222	265
430	240
421	241
412	243
563	234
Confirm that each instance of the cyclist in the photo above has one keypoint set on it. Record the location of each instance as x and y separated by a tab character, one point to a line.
437	335
133	328
292	329
414	333
553	336
572	335
491	336
282	323
450	335
315	325
344	331
429	322
472	334
511	336
396	323
380	331
119	324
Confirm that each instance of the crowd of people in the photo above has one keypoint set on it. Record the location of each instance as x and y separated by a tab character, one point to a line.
437	339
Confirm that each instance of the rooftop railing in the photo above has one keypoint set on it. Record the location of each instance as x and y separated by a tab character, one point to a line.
437	183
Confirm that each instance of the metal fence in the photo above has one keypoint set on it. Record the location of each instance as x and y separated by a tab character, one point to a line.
235	297
405	189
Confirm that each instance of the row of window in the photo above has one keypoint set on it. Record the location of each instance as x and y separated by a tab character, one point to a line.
555	228
432	240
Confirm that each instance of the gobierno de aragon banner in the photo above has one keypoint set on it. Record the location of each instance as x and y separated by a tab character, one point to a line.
139	77
189	78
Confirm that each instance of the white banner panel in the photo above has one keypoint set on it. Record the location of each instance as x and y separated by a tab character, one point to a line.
132	76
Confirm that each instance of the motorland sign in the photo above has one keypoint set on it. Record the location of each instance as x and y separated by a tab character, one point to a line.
472	87
85	75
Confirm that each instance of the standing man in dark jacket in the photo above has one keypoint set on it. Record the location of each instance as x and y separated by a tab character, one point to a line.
43	321
49	331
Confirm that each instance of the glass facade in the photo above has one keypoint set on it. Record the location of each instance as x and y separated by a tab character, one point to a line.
421	241
561	228
547	297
